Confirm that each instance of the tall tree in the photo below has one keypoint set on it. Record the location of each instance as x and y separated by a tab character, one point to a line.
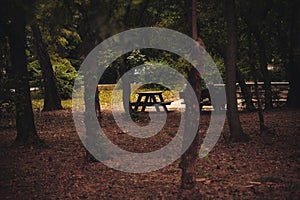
92	31
126	86
189	158
257	11
126	90
254	75
26	132
236	131
52	99
264	68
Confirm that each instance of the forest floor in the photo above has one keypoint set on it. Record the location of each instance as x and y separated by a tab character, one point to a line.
265	167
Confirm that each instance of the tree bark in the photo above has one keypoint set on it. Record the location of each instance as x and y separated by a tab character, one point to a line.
236	131
89	113
245	91
294	65
52	99
26	132
97	104
264	68
254	15
126	90
188	17
194	20
189	158
254	75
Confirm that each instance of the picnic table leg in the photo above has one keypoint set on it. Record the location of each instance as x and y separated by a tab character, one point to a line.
146	100
155	103
161	100
137	105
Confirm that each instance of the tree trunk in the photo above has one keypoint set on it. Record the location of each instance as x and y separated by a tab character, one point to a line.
189	158
26	132
236	131
97	103
89	113
294	65
245	91
264	68
125	85
262	126
254	75
194	20
255	15
52	99
188	17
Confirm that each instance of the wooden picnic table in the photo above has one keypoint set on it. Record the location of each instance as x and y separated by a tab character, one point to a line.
150	98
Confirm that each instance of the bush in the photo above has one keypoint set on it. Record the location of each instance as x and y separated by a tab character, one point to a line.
64	72
65	75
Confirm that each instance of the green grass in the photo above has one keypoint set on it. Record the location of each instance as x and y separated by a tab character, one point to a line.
38	104
106	95
105	98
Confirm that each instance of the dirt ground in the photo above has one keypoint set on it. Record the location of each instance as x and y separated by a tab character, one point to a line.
266	167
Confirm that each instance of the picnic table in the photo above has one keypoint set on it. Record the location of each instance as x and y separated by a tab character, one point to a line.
150	98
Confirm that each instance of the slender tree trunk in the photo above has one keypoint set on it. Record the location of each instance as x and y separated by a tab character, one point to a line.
26	132
143	8
294	65
125	85
254	75
52	99
97	103
264	68
188	17
245	91
194	20
253	19
189	158
262	126
89	113
90	129
236	131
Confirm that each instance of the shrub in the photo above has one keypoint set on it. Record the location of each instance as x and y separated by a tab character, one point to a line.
64	72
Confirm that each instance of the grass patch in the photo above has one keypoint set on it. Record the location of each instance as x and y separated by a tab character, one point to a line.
105	96
39	103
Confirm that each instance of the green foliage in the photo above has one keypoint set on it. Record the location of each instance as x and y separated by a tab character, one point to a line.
220	65
68	39
64	72
135	58
111	73
72	28
35	74
167	14
147	74
65	75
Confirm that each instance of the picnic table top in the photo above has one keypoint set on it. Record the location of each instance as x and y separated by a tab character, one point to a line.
150	92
